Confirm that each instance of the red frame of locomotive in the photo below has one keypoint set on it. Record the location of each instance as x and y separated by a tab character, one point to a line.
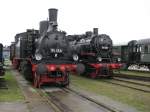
38	80
98	66
51	68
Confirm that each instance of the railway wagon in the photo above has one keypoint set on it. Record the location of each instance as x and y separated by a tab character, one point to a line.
93	53
139	52
43	56
2	71
136	52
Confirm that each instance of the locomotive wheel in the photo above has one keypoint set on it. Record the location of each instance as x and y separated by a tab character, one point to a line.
36	82
67	81
26	71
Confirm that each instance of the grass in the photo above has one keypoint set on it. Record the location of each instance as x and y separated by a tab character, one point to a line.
136	73
139	100
13	93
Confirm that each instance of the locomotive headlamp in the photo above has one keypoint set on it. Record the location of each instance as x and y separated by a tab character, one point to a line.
99	58
119	59
38	57
75	57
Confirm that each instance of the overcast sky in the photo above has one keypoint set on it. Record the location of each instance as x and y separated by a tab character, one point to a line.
122	20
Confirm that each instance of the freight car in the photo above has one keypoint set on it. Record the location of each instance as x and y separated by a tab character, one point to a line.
43	56
136	52
93	53
2	71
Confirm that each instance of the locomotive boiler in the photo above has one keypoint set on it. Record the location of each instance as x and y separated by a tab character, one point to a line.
93	53
44	56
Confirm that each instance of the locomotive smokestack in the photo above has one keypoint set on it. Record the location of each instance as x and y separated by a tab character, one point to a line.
95	31
53	16
52	20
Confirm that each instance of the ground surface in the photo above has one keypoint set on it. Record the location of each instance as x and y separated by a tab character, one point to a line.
13	107
11	97
22	97
12	91
35	102
139	100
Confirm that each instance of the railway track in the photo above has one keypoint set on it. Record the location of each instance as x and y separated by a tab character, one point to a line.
59	106
49	102
135	86
92	100
129	81
140	78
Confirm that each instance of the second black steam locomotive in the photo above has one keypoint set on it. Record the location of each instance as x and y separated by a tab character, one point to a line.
43	56
93	53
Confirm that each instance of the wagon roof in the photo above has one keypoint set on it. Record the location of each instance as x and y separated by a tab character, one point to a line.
144	41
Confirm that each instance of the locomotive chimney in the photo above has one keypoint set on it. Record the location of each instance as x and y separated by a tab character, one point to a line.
95	31
52	20
53	16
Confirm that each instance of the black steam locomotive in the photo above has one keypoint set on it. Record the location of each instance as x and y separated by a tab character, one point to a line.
43	56
135	52
2	71
94	53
